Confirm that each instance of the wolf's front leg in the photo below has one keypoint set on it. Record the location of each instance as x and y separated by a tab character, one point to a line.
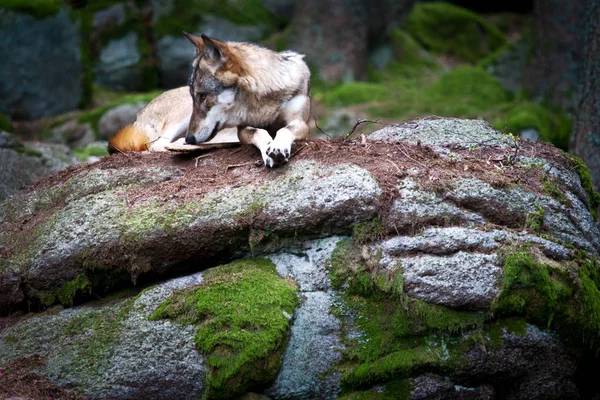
280	149
260	138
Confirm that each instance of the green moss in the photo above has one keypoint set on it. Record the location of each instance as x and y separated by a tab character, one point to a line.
92	334
38	8
67	293
400	335
466	92
551	188
355	93
239	310
369	231
553	126
553	297
28	151
535	219
448	29
399	389
186	14
476	87
5	124
586	182
84	153
93	116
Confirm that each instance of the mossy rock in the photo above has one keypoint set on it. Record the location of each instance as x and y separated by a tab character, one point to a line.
410	59
447	29
400	335
565	298
92	150
553	127
356	93
186	14
586	182
38	8
242	311
392	337
5	124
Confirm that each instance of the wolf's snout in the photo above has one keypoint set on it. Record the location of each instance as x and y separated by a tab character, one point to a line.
190	138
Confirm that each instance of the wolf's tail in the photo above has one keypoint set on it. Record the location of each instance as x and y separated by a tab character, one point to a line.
130	138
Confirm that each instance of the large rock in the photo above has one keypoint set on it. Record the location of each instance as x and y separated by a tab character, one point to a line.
23	165
117	65
42	75
439	259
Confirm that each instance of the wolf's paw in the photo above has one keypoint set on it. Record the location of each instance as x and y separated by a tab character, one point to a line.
276	156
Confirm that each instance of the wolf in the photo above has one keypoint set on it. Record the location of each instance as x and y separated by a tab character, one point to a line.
262	94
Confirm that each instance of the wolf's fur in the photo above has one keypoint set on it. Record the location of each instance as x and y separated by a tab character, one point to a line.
261	93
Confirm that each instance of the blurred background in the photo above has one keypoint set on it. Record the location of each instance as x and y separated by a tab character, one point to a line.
74	72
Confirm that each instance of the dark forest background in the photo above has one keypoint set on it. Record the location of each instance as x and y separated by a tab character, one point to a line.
74	72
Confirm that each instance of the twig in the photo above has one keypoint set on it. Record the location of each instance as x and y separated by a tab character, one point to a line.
299	150
201	157
410	158
122	152
358	122
240	165
321	130
394	164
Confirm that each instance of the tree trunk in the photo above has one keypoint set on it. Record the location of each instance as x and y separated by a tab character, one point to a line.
585	140
557	61
336	34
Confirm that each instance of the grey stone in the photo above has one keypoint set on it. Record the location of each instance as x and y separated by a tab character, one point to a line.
73	133
41	77
416	208
117	64
508	67
441	132
20	167
113	120
530	134
434	387
463	280
114	351
548	372
314	329
512	207
283	9
306	372
306	266
97	215
113	15
175	55
446	241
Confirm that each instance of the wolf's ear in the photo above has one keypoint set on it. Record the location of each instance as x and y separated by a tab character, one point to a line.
214	50
196	41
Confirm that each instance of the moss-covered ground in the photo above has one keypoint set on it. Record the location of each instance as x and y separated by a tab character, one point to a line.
399	336
437	68
242	311
390	337
564	298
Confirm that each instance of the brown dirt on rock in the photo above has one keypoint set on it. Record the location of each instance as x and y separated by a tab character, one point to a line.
388	162
20	380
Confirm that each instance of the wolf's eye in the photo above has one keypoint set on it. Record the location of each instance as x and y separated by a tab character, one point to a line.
202	97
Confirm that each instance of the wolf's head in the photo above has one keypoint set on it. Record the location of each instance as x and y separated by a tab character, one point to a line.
215	71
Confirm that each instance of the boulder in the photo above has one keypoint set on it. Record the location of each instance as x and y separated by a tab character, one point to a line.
23	165
41	77
117	118
438	259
